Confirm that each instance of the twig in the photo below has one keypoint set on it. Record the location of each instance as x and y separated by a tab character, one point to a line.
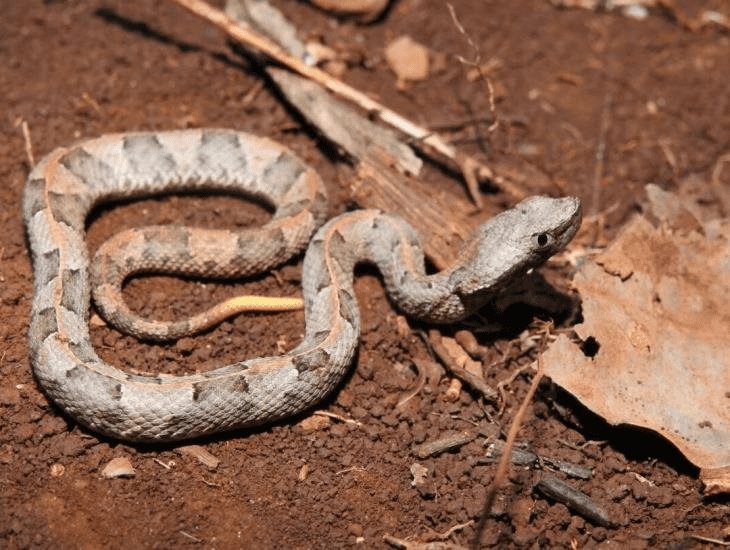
560	491
506	382
28	143
469	167
507	452
337	417
446	534
191	537
403	544
710	540
447	443
476	63
416	389
434	338
600	154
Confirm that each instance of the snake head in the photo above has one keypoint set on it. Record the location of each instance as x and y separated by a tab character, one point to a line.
512	242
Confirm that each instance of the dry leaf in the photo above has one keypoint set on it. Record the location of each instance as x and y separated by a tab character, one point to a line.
656	302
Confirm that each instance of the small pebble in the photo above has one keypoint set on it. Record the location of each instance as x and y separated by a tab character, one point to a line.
118	467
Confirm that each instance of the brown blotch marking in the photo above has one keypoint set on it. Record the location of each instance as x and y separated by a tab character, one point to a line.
171	242
92	171
310	361
116	392
293	208
239	385
34	196
337	239
277	241
348	306
177	328
48	264
219	137
337	244
75	372
73	297
216	141
283	173
323	282
130	263
83	352
146	154
44	325
107	272
199	389
68	208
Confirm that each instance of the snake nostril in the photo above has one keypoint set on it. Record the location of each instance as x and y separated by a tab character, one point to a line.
542	239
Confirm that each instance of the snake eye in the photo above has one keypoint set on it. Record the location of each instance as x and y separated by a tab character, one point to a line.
542	239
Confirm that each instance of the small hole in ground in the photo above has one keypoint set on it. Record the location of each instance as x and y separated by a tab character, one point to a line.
590	347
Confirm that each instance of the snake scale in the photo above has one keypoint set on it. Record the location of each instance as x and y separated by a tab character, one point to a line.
69	182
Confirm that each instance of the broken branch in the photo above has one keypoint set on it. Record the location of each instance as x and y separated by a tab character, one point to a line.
469	167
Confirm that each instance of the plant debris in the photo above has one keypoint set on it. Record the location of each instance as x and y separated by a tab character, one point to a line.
655	351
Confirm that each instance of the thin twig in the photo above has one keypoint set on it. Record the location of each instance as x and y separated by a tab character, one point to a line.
504	461
600	153
446	534
469	167
476	382
477	64
710	540
28	143
337	417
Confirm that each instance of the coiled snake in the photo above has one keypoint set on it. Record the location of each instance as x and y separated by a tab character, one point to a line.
69	182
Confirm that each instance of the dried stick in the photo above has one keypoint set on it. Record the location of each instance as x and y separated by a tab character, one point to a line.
470	167
476	382
28	144
507	452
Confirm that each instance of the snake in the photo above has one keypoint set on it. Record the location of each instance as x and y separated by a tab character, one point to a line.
69	182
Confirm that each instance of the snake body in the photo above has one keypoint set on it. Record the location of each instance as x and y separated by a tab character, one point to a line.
64	187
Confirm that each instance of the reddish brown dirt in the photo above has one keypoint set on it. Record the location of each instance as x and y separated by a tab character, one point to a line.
654	94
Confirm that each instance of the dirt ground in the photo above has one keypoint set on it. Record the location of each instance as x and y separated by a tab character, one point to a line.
598	104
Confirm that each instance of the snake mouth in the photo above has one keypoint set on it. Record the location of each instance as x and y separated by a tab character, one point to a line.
565	232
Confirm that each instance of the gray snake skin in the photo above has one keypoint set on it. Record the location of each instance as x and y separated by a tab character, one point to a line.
64	187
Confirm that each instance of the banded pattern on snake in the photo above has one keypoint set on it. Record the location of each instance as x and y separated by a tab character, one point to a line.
69	182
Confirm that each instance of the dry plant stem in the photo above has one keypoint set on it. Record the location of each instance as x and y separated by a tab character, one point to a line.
447	443
470	167
507	453
458	527
337	417
600	154
477	64
434	338
28	143
403	544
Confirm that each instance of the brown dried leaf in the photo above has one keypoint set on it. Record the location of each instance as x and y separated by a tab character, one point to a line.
656	302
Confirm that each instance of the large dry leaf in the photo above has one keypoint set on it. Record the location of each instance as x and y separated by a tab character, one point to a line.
656	302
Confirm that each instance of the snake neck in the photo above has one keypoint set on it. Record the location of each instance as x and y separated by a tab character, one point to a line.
369	236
